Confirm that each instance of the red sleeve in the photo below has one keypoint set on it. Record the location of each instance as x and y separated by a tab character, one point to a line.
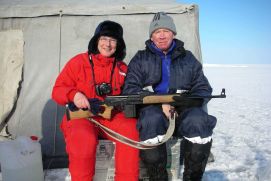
122	67
65	85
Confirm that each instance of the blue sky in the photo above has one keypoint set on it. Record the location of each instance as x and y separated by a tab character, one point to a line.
234	31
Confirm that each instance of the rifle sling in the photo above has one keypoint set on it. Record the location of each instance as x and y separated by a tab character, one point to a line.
136	144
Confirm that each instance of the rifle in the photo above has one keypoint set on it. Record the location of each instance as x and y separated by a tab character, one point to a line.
128	103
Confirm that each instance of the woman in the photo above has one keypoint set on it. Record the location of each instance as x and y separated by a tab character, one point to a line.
96	74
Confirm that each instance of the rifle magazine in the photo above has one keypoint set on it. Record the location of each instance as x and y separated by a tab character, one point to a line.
130	111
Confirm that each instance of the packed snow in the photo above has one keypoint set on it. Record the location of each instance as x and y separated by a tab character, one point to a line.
241	139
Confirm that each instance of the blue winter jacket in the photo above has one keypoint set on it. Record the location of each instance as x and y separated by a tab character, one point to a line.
185	71
145	69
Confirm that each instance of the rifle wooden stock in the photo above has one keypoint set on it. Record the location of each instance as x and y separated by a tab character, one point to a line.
80	114
87	113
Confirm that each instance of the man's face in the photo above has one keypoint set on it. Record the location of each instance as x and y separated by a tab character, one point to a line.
162	38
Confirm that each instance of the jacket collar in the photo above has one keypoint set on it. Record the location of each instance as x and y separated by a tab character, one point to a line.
100	60
177	51
160	52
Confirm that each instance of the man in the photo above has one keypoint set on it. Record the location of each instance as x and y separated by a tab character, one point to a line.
166	67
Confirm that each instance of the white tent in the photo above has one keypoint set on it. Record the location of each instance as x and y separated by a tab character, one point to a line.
53	32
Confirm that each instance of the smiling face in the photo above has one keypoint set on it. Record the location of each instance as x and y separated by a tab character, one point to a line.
107	46
162	38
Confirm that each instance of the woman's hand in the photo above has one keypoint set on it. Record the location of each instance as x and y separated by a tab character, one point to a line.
166	109
81	101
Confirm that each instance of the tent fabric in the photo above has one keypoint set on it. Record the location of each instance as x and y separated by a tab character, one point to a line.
51	38
11	65
32	8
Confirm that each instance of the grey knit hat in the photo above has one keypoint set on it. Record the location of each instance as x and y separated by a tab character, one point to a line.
162	20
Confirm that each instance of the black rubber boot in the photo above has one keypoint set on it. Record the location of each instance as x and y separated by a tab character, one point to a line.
195	160
211	157
155	161
157	172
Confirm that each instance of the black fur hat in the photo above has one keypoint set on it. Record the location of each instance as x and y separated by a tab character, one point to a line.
111	29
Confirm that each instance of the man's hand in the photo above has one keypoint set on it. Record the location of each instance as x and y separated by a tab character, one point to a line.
166	109
81	101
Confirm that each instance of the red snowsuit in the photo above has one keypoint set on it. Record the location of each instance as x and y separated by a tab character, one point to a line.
81	136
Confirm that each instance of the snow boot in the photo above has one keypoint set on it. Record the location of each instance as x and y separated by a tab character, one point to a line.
195	160
211	157
155	160
157	172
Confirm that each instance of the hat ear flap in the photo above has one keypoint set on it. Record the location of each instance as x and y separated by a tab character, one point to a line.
120	50
93	45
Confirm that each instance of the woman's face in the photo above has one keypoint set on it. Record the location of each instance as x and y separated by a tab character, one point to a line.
107	45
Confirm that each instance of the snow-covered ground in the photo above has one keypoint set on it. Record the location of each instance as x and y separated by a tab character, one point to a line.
241	140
